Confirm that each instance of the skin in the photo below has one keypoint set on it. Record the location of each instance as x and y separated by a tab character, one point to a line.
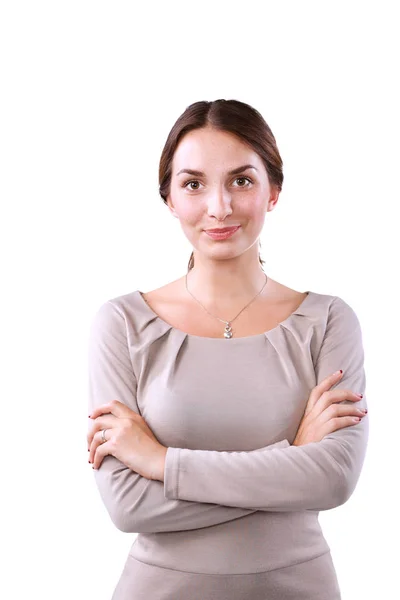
226	273
225	276
128	438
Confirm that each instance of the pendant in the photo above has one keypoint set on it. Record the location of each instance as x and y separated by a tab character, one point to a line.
228	331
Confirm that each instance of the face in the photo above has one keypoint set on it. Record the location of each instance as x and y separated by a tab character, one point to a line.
218	198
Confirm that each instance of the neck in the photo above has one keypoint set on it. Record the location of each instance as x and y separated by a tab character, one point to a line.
225	283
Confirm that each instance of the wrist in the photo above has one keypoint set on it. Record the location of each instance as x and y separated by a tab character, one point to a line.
160	466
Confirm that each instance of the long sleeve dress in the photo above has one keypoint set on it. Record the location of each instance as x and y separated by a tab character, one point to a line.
237	514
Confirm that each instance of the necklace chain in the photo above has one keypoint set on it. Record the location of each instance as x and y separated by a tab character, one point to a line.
228	329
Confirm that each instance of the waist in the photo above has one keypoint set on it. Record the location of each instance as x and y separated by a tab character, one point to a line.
258	542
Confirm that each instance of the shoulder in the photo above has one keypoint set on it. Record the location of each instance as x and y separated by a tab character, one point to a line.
342	315
334	316
129	316
327	313
119	316
113	311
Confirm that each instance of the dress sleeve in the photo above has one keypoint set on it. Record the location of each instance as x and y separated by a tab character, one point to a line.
134	503
317	476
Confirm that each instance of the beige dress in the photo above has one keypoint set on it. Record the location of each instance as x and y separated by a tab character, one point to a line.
237	514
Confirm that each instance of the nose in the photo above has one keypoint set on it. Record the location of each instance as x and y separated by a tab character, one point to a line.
219	204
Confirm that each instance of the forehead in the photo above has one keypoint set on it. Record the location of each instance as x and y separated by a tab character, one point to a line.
209	149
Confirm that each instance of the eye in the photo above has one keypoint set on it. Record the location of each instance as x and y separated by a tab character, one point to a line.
187	183
184	185
242	178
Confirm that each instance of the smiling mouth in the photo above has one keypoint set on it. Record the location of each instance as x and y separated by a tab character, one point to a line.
222	230
222	234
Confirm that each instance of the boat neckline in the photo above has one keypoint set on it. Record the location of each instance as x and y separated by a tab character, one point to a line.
233	339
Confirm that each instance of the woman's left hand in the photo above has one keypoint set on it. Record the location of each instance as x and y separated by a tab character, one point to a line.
128	438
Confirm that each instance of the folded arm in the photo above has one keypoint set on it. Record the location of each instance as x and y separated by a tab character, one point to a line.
134	503
316	476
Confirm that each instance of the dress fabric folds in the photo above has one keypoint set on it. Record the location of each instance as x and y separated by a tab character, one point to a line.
237	513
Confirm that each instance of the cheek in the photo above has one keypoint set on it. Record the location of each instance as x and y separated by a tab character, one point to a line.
190	214
254	210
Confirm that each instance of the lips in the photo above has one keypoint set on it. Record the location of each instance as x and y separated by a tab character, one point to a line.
222	233
222	230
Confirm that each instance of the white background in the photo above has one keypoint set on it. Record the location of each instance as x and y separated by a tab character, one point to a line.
90	90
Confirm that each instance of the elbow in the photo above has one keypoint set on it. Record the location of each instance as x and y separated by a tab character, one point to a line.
131	518
121	493
342	478
348	486
335	491
342	490
123	520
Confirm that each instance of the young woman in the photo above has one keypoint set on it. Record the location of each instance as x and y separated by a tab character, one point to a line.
226	408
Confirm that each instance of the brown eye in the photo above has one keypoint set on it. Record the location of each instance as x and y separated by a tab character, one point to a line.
185	185
244	179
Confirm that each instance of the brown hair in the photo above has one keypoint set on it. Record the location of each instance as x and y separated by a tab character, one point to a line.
233	116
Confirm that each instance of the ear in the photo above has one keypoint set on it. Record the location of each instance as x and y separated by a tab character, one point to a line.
273	198
171	206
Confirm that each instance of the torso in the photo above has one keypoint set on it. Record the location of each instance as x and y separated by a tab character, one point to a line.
184	313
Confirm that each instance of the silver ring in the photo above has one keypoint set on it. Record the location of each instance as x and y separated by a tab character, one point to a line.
103	436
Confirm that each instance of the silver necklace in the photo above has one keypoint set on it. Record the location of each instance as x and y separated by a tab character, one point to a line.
228	329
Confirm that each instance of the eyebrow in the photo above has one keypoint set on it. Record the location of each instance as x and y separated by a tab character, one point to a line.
233	172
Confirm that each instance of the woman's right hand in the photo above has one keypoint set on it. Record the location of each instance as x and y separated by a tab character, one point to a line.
323	415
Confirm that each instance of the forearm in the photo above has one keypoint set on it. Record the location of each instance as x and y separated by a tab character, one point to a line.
317	476
138	505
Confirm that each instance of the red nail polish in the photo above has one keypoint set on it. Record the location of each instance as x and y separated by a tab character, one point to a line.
341	370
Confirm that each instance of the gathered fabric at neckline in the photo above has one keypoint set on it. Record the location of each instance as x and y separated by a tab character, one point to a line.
300	310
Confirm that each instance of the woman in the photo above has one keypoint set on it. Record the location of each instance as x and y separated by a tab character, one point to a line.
225	406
